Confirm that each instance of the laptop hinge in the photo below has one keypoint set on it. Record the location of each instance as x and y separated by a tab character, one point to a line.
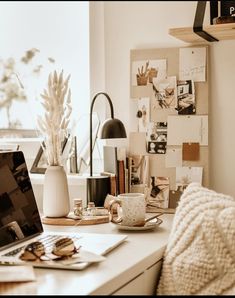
198	22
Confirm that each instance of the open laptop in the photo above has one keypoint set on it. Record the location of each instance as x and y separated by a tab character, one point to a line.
20	222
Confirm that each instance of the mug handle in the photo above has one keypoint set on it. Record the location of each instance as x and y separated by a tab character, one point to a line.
112	203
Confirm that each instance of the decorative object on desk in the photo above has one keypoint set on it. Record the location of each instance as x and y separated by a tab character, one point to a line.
99	186
54	129
71	220
90	208
77	208
100	211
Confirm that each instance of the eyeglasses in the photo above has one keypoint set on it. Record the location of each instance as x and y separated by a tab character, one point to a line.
62	248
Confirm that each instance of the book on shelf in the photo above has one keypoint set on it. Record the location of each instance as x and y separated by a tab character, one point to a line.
115	162
126	180
128	165
110	159
111	163
113	182
121	176
122	170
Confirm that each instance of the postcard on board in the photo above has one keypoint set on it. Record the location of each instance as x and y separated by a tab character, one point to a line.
192	64
173	158
186	129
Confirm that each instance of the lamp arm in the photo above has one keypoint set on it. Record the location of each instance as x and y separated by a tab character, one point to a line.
91	110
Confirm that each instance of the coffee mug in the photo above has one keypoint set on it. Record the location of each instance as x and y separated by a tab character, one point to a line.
131	209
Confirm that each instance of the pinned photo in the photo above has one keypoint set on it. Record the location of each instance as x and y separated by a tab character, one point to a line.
159	192
144	71
139	169
192	63
187	175
143	113
186	103
157	137
165	93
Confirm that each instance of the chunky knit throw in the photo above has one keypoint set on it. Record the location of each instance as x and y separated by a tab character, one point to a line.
200	256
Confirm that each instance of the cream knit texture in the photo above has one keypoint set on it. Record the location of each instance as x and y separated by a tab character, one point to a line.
200	255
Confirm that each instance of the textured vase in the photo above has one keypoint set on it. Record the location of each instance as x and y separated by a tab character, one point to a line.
55	192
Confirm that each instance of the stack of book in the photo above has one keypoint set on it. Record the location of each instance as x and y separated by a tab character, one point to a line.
115	168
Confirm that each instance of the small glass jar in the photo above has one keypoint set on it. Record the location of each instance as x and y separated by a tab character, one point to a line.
90	208
77	208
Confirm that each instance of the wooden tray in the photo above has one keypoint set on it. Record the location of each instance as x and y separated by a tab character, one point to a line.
70	221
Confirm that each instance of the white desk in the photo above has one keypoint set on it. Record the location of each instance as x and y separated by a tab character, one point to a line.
131	268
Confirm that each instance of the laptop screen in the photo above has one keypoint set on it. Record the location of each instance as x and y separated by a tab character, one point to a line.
19	215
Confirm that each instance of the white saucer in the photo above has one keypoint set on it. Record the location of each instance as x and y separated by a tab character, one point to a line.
148	226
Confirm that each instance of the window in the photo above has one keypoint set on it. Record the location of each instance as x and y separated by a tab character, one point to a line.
37	38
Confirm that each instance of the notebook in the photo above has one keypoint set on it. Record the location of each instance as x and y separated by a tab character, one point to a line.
20	222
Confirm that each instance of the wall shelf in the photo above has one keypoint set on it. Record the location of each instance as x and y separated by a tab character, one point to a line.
220	31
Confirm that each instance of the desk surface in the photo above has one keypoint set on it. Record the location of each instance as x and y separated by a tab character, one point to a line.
140	250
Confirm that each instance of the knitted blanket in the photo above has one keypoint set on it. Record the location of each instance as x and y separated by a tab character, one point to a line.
200	256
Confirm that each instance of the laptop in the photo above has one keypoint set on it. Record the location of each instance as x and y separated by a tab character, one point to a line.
20	222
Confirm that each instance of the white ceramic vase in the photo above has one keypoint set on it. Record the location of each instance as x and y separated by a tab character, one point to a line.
55	192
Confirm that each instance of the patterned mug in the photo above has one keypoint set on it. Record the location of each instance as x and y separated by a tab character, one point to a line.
131	209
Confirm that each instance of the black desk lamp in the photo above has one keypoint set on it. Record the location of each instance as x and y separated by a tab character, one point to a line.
99	186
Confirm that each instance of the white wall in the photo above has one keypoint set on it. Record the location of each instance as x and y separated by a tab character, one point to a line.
145	24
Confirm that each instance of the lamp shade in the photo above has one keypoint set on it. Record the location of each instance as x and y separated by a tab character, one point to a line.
112	128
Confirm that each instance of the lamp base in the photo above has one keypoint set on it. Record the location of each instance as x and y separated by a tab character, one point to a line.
97	189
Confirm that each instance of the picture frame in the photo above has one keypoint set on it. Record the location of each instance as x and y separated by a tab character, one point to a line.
40	164
36	167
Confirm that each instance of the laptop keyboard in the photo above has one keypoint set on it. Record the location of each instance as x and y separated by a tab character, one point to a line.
47	240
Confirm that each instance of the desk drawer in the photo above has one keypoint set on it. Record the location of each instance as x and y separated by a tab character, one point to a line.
134	287
143	284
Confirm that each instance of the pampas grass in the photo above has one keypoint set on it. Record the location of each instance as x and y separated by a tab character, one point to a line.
53	125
